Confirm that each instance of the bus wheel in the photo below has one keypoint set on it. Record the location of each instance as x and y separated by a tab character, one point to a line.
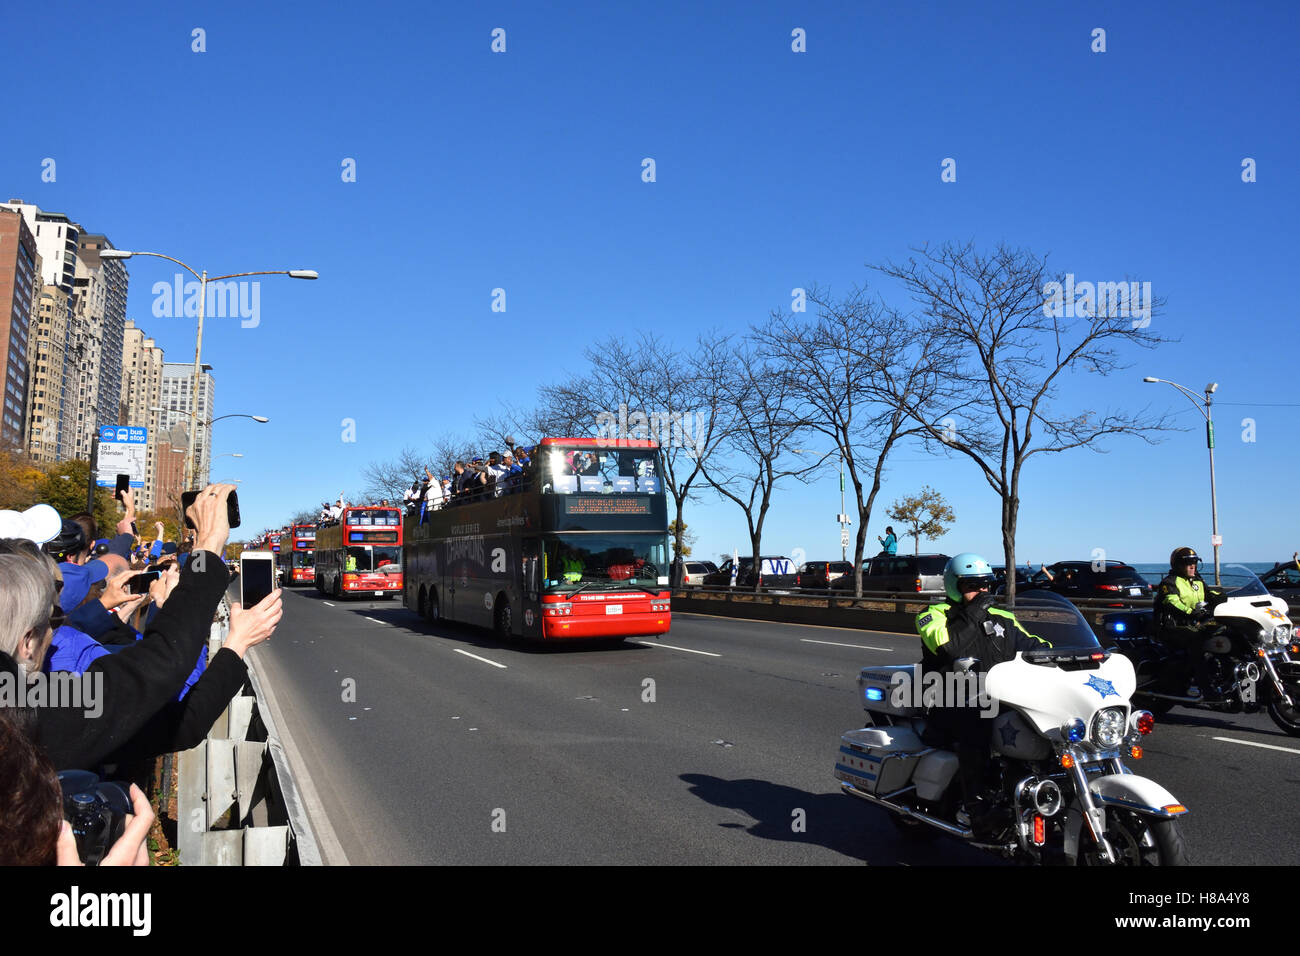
503	623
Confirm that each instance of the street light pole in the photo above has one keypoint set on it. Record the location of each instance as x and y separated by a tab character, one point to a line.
842	518
198	342
1208	414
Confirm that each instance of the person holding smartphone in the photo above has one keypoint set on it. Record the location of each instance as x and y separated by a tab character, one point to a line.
139	715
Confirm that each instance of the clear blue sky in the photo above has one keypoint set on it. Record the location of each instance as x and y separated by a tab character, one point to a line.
522	171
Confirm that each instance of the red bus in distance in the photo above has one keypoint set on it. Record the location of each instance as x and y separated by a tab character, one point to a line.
361	554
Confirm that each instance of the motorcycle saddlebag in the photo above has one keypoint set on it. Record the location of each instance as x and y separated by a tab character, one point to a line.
878	759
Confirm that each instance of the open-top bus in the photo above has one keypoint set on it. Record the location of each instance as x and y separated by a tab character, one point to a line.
297	555
361	554
579	549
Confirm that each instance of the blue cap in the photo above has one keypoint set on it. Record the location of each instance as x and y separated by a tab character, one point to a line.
77	581
121	545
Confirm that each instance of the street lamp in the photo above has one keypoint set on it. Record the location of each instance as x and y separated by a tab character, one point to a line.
198	341
1208	415
842	517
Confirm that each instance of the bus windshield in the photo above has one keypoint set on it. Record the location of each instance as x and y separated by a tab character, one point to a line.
605	470
304	559
606	561
368	558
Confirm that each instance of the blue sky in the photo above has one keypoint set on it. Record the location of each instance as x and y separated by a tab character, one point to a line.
775	169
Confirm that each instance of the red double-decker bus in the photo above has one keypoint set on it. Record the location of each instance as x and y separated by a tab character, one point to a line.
361	554
576	549
298	555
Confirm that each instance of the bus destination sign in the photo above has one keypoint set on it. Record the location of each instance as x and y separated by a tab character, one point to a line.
607	505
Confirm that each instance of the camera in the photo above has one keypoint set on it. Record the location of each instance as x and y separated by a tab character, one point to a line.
96	810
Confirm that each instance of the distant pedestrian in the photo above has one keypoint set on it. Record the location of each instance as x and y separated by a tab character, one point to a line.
889	543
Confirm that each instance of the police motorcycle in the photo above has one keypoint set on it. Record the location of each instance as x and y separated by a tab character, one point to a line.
1254	658
1062	732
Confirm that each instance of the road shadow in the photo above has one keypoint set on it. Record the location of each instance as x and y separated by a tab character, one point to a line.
837	822
397	615
1209	720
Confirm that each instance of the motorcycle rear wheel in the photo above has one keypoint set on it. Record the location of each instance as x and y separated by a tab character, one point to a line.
1288	718
1139	841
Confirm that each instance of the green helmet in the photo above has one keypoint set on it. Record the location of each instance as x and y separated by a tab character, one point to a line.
966	568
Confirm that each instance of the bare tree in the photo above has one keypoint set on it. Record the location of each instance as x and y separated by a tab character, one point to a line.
844	370
757	440
390	479
648	389
1015	341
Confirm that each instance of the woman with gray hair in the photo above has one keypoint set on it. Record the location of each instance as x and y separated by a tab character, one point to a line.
26	605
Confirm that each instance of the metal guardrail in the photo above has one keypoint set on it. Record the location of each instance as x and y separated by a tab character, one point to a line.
236	802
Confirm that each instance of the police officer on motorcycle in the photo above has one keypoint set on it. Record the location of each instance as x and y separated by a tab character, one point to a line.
968	624
1184	613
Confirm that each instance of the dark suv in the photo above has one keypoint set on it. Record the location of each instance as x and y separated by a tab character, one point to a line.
917	573
1089	579
819	575
773	572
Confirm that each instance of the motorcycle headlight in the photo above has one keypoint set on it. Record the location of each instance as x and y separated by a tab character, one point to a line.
1108	727
1282	634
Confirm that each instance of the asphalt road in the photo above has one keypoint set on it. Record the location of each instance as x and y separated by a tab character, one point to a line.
418	748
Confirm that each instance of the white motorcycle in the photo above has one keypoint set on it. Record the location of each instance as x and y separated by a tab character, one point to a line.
1062	729
1251	658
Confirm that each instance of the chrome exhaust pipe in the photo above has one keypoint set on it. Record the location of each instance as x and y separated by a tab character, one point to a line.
949	828
1180	700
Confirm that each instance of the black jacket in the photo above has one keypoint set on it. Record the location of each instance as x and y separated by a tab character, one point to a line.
141	716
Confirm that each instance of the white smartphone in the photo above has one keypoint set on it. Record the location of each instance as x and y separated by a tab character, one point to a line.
256	576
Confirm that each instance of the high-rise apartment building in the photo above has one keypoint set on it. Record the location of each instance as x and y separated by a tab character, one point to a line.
19	281
177	395
48	408
56	242
142	377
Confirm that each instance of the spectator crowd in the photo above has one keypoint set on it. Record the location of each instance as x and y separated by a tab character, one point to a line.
126	623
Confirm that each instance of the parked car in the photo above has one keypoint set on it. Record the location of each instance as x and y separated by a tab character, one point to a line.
695	572
773	572
1083	579
917	573
1284	581
1023	577
819	575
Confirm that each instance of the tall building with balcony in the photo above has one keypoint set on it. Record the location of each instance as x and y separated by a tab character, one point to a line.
48	408
57	240
142	377
177	399
19	282
99	303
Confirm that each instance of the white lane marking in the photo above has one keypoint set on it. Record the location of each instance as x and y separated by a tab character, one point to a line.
477	658
374	620
825	627
865	647
1251	743
327	603
688	650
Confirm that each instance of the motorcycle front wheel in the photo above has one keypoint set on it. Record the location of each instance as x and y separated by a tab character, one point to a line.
1288	718
1139	841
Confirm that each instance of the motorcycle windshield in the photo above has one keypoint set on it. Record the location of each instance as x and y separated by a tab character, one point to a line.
1050	616
1237	580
